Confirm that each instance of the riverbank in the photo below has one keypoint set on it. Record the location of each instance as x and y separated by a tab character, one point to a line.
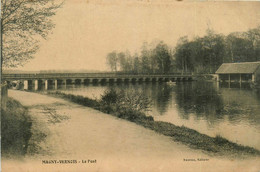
62	130
218	146
15	129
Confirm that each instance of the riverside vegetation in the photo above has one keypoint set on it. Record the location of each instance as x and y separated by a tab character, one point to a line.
132	107
15	129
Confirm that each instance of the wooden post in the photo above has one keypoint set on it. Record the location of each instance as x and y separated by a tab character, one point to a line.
25	84
240	80
46	84
55	84
229	80
217	77
36	85
64	82
253	77
217	85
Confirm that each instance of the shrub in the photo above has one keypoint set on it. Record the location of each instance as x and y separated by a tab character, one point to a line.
220	140
15	129
126	100
127	105
110	97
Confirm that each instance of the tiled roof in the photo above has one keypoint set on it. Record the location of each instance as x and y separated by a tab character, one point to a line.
246	67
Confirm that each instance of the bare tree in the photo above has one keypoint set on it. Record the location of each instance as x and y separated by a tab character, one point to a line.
23	24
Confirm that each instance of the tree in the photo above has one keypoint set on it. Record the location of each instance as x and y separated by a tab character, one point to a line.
183	54
145	54
239	48
136	64
213	47
112	60
253	36
23	24
122	61
129	61
163	58
202	54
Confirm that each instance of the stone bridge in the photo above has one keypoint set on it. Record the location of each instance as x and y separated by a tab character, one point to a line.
36	80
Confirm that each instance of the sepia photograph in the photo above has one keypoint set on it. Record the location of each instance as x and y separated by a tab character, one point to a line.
130	86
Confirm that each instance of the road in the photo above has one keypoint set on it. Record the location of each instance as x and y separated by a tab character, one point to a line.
66	131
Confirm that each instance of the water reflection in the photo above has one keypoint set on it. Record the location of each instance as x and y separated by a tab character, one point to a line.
163	97
201	99
243	85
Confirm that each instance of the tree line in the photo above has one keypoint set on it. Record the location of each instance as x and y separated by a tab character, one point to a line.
198	55
150	60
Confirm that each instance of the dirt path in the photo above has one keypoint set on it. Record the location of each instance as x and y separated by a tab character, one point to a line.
67	131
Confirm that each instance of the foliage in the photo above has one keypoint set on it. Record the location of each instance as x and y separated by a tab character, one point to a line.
206	54
151	60
199	55
112	60
23	23
121	100
163	58
15	129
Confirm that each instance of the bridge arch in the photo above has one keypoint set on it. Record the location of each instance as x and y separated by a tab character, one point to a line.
160	79
103	81
95	81
69	81
133	80
77	81
147	80
166	79
40	84
86	81
60	82
154	79
140	80
172	79
178	79
111	80
119	80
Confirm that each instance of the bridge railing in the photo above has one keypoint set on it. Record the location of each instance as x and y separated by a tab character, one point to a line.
87	75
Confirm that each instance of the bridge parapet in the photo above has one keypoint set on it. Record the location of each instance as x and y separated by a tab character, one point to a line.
46	80
84	75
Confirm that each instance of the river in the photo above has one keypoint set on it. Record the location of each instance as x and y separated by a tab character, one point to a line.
230	111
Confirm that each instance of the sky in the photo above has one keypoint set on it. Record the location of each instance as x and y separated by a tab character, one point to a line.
86	31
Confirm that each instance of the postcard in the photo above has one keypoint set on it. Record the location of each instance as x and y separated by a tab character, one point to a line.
120	85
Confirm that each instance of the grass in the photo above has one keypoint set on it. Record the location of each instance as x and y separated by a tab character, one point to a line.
15	129
213	145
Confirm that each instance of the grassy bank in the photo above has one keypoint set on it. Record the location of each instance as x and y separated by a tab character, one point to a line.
213	145
15	129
